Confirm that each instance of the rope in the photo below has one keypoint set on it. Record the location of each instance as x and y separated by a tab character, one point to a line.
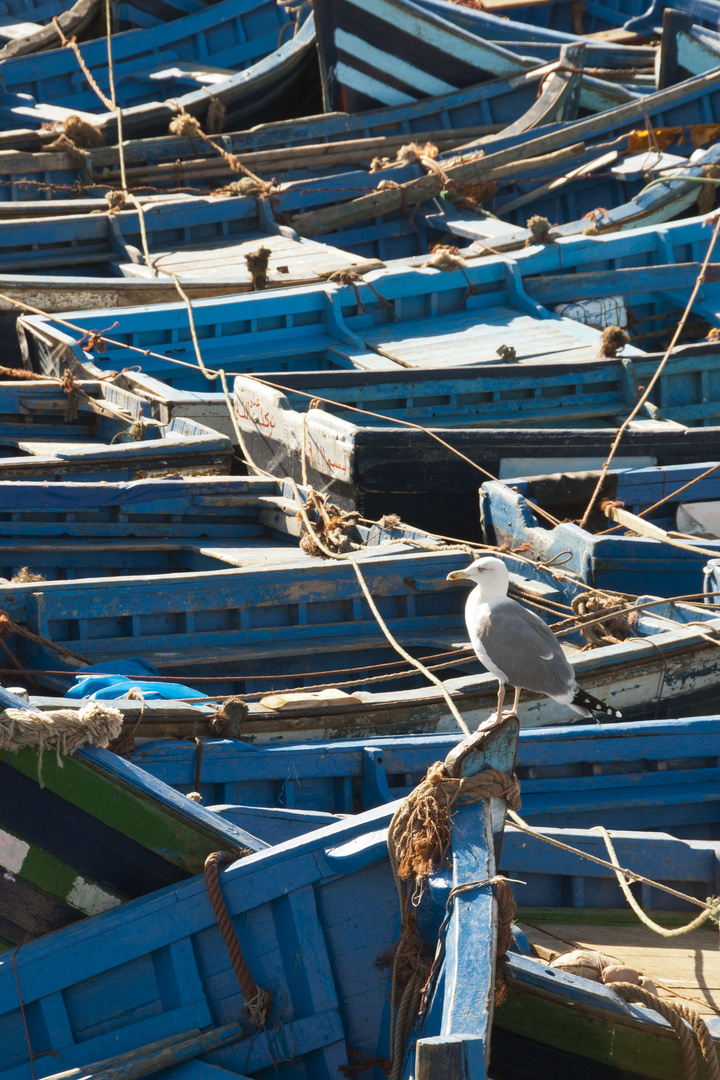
7	626
678	1017
73	45
31	1053
679	491
418	841
712	905
65	730
258	1002
711	912
658	371
188	127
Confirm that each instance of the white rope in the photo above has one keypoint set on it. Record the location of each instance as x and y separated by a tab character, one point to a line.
711	907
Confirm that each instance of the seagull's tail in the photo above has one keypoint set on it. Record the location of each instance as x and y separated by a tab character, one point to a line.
586	705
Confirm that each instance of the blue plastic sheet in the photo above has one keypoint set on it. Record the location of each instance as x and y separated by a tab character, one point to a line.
117	679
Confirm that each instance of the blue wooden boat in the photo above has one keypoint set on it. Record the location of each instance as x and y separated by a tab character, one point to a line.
70	531
604	23
238	51
26	27
651	552
301	342
431	50
205	240
294	147
535	26
108	434
651	21
284	636
300	911
689	50
84	833
635	190
554	1023
678	107
650	775
91	243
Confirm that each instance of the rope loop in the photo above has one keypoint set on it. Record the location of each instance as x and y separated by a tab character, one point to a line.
258	1002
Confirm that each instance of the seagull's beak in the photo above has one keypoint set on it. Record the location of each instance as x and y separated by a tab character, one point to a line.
455	575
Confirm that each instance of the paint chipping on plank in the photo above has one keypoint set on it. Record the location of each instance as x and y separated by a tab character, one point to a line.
12	852
90	898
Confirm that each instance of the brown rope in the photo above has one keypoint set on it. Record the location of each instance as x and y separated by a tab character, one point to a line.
258	1002
7	626
612	630
506	917
359	1062
72	44
678	1017
418	841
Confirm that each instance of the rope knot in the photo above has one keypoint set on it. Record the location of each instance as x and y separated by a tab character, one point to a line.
258	1002
70	388
331	526
185	126
92	340
115	201
228	719
614	338
257	263
610	630
540	231
445	258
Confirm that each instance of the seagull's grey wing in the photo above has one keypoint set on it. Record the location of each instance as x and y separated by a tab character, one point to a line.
521	646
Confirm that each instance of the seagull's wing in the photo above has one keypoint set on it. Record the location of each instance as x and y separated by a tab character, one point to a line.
520	645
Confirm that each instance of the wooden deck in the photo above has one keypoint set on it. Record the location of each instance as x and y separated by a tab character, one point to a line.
292	262
683	968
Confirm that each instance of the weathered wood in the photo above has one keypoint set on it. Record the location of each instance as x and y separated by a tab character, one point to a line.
382	202
311	155
165	67
485	168
150	1059
685	969
73	21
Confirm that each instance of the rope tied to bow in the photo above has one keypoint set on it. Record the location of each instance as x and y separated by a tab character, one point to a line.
418	842
258	1002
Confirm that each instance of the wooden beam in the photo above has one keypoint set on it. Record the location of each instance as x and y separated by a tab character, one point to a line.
487	169
646	528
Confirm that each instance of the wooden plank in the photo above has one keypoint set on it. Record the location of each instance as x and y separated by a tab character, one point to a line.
127	811
685	969
642	527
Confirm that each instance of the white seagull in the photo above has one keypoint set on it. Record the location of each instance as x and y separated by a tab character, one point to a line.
515	644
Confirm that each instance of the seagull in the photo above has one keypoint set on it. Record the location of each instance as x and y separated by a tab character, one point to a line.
515	644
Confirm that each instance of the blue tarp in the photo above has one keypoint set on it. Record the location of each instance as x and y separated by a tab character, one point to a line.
116	681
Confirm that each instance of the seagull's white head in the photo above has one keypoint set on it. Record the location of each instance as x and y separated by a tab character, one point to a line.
489	574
